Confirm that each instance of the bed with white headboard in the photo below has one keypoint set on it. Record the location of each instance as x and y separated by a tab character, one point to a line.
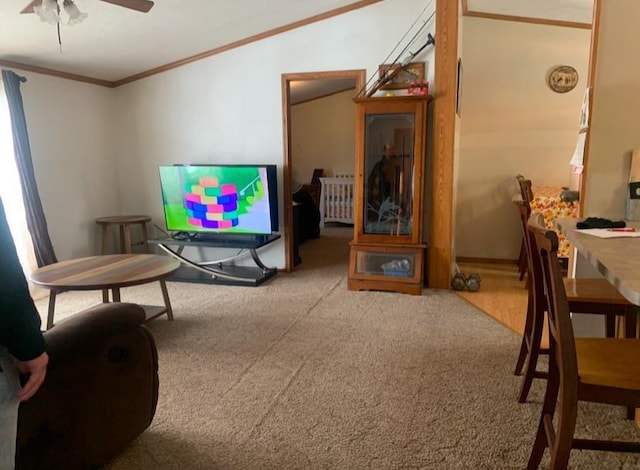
336	199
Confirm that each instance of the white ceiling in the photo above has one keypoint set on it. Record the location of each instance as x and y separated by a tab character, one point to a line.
114	43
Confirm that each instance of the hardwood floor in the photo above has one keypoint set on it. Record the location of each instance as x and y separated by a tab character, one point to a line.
501	295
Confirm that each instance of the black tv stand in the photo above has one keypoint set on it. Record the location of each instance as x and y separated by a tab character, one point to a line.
219	271
224	239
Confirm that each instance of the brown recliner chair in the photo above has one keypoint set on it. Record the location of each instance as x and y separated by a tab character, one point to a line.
100	392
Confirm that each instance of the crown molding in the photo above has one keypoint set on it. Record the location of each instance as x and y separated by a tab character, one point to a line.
55	73
521	19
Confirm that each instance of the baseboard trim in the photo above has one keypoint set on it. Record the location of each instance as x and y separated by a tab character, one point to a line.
468	259
564	262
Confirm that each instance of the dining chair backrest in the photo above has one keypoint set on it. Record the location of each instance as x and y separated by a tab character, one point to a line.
524	210
526	190
526	196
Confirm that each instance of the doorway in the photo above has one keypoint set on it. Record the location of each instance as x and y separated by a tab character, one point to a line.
296	88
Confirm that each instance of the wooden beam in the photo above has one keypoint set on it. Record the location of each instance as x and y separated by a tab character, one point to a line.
440	243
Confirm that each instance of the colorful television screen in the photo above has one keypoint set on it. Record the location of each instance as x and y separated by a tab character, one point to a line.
220	198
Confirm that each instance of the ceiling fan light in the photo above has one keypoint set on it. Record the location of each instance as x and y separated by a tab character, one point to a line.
47	11
75	15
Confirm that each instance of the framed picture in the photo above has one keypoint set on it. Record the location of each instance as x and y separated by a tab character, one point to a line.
400	78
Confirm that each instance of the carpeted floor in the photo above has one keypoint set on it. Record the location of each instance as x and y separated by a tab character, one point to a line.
301	373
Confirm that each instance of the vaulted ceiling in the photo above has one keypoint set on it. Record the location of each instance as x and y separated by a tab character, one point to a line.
115	44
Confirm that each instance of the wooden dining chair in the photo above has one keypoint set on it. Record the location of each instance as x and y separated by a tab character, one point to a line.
526	195
526	188
600	370
589	296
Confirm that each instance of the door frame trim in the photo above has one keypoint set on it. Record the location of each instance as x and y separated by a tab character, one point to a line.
359	75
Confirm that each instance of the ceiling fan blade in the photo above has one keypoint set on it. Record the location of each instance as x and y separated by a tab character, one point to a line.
29	8
139	5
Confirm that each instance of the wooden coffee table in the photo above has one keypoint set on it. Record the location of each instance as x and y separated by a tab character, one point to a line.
107	272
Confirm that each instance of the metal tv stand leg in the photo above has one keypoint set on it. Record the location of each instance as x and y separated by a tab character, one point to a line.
256	259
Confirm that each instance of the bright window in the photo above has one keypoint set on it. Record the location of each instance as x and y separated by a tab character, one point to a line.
10	189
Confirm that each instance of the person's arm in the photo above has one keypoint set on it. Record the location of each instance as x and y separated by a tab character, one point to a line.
19	319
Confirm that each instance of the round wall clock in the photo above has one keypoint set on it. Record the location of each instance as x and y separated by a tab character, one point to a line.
563	79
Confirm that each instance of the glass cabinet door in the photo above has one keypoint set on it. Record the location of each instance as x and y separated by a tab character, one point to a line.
388	174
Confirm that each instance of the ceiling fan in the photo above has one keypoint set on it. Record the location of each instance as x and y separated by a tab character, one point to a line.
139	5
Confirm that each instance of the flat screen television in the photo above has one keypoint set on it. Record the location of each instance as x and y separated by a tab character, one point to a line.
239	199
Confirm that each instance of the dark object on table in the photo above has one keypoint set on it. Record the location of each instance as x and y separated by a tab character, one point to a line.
598	222
570	196
309	216
100	392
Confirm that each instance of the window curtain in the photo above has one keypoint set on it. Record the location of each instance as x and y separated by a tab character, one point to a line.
36	221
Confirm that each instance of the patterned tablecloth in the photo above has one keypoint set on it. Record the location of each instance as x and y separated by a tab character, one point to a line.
547	200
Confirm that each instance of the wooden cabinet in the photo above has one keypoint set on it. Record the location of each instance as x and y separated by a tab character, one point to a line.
387	252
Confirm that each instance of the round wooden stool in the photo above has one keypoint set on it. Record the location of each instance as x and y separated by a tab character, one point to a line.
124	222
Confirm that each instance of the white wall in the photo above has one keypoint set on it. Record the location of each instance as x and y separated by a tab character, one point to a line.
614	131
228	108
512	123
323	135
96	150
70	128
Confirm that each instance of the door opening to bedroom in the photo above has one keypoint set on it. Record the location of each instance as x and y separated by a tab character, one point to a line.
319	162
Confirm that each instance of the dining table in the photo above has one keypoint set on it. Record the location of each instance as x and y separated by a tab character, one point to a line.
616	258
548	201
